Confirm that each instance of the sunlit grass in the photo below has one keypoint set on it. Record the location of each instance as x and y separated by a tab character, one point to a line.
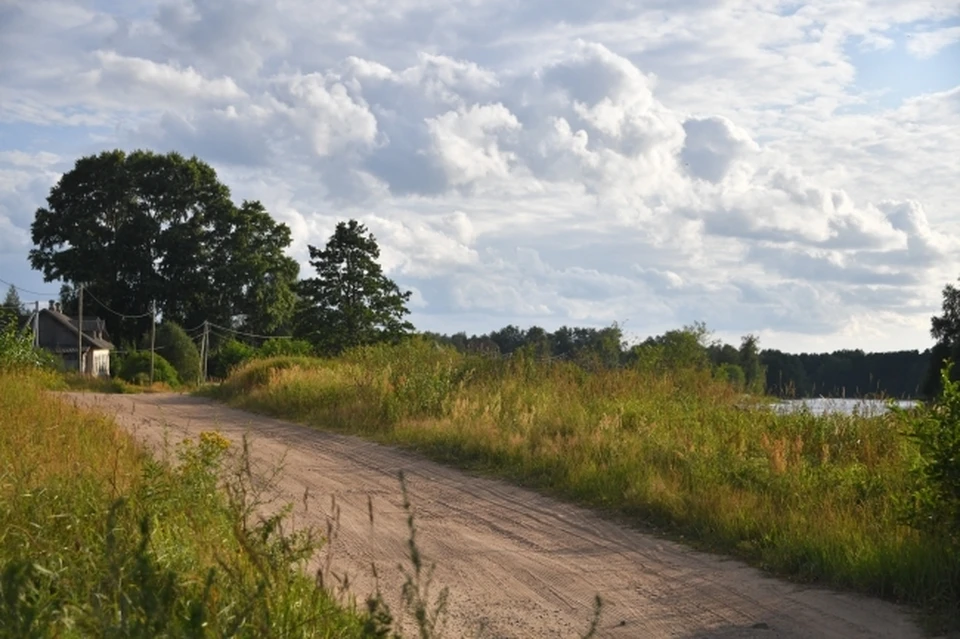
98	539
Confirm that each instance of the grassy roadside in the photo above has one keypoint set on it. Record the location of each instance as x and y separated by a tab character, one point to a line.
97	538
813	498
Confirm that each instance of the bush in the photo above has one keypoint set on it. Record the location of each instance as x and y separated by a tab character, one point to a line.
934	504
228	356
180	351
16	346
135	368
733	374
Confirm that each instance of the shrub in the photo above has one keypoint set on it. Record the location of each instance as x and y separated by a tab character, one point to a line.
934	503
16	346
228	356
135	368
733	374
180	351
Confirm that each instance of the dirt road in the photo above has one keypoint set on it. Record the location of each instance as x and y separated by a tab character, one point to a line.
517	564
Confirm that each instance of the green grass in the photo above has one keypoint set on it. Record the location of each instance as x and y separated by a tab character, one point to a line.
813	498
98	539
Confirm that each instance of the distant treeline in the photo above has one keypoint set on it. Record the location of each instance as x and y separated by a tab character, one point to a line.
845	373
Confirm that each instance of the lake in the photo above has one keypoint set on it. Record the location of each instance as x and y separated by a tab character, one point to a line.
825	405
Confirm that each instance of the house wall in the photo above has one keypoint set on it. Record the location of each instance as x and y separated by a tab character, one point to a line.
97	362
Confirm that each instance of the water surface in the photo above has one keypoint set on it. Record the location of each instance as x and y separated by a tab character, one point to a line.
826	405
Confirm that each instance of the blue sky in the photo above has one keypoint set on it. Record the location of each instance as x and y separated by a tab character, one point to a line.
778	168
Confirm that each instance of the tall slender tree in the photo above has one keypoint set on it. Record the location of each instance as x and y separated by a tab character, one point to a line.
350	302
12	303
945	329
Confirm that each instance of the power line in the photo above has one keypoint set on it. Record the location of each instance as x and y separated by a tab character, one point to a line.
195	328
119	314
233	330
26	290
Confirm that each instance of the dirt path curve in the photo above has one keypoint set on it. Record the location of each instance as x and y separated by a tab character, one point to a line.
520	564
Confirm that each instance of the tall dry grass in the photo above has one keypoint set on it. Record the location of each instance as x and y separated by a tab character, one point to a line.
812	497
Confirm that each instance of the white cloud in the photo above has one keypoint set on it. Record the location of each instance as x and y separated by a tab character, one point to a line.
158	81
926	44
533	162
468	142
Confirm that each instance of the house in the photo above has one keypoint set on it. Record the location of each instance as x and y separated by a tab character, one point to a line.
58	334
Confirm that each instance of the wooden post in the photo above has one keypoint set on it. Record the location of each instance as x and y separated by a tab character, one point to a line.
80	333
153	335
36	325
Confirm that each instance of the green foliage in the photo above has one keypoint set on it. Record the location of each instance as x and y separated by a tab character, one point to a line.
11	303
733	375
101	540
683	349
143	226
16	345
749	360
179	350
934	503
135	368
228	356
285	347
946	330
350	302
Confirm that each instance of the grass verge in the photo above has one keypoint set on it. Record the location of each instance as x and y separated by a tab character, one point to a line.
816	498
98	539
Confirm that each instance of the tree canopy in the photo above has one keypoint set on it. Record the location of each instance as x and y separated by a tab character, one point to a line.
139	227
350	302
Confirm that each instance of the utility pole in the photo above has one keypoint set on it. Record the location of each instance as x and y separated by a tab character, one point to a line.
153	335
36	325
80	333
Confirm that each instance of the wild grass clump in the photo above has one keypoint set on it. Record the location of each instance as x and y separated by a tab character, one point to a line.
97	539
819	498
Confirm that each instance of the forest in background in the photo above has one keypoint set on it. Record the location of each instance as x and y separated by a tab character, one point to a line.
842	373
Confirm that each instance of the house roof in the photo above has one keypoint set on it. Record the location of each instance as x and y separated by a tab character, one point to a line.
88	325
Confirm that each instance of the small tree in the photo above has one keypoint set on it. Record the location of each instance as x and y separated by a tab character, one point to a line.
350	302
178	349
753	371
12	303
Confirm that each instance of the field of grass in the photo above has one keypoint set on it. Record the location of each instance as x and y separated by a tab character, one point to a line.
814	498
98	539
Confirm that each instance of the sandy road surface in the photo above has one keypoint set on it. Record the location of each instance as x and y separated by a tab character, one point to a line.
517	563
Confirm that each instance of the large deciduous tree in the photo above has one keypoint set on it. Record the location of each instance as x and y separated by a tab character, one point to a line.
350	302
139	227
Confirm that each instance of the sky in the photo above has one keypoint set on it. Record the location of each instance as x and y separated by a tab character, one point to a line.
786	169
